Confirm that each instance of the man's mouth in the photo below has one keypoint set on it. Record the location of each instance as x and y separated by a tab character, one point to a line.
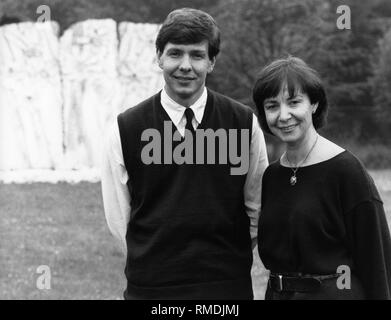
180	78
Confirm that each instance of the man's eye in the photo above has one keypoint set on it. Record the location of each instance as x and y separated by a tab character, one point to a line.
198	56
295	101
174	54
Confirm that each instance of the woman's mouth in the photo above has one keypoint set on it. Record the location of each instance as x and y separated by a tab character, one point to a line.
287	129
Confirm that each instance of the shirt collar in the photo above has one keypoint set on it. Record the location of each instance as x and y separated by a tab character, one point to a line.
176	111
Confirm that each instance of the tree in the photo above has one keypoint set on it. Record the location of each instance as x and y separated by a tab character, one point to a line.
67	12
255	32
347	68
381	84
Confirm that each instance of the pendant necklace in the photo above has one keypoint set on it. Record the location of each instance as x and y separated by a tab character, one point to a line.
293	178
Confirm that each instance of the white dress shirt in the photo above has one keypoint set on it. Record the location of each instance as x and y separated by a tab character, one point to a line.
116	197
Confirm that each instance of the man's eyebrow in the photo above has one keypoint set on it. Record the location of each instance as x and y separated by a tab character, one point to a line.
199	51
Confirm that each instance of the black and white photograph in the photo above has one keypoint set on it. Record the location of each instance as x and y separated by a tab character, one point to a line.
198	150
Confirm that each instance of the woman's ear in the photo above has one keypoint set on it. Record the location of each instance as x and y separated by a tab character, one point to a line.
314	107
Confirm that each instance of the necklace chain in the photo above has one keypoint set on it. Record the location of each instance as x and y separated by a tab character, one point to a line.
293	178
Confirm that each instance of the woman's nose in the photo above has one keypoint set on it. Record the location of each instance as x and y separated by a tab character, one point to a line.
284	112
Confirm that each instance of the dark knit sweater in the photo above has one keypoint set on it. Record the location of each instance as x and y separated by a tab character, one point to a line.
333	216
188	235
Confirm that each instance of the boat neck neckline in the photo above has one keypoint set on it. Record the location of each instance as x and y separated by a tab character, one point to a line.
317	163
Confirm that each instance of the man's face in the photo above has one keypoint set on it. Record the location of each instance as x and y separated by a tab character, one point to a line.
185	67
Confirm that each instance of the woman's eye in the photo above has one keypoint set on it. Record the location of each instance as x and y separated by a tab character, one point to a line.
269	106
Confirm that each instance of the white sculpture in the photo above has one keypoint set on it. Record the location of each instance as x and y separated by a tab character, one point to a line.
30	97
58	96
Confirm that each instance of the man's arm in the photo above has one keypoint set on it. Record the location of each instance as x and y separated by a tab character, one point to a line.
253	185
116	197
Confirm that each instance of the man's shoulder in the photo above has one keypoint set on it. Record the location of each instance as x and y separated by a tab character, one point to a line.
223	101
135	119
140	108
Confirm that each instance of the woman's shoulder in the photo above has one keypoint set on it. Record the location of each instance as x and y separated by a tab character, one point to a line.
354	179
272	171
350	166
348	171
339	158
272	167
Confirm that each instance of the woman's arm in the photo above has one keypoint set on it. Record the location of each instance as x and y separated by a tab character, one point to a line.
370	242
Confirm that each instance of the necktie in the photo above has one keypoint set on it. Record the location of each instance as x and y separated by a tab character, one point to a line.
189	114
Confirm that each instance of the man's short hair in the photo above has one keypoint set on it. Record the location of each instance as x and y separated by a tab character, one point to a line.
297	76
189	26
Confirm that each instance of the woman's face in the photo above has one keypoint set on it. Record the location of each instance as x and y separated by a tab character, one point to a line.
289	118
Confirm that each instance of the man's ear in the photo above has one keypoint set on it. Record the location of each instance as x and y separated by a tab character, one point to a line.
158	58
212	65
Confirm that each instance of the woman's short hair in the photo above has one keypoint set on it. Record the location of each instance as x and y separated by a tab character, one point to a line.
297	76
188	26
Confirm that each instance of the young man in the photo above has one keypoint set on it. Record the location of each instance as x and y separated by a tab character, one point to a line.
186	219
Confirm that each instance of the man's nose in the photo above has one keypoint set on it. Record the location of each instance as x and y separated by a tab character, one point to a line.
185	65
285	114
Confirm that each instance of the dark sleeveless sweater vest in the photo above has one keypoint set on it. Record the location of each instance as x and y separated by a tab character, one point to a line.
188	235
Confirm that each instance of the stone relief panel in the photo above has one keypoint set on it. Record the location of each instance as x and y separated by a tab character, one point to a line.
91	89
58	96
138	70
30	97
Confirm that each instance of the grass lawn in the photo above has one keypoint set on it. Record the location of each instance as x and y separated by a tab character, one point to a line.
63	226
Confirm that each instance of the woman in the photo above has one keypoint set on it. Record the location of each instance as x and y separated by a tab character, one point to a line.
322	229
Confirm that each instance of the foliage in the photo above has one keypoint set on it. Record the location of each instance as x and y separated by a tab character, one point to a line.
381	84
257	32
67	12
254	32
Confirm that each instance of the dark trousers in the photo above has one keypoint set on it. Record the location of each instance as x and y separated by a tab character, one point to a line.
239	289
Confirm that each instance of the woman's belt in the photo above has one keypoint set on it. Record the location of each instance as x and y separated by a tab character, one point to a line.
297	282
